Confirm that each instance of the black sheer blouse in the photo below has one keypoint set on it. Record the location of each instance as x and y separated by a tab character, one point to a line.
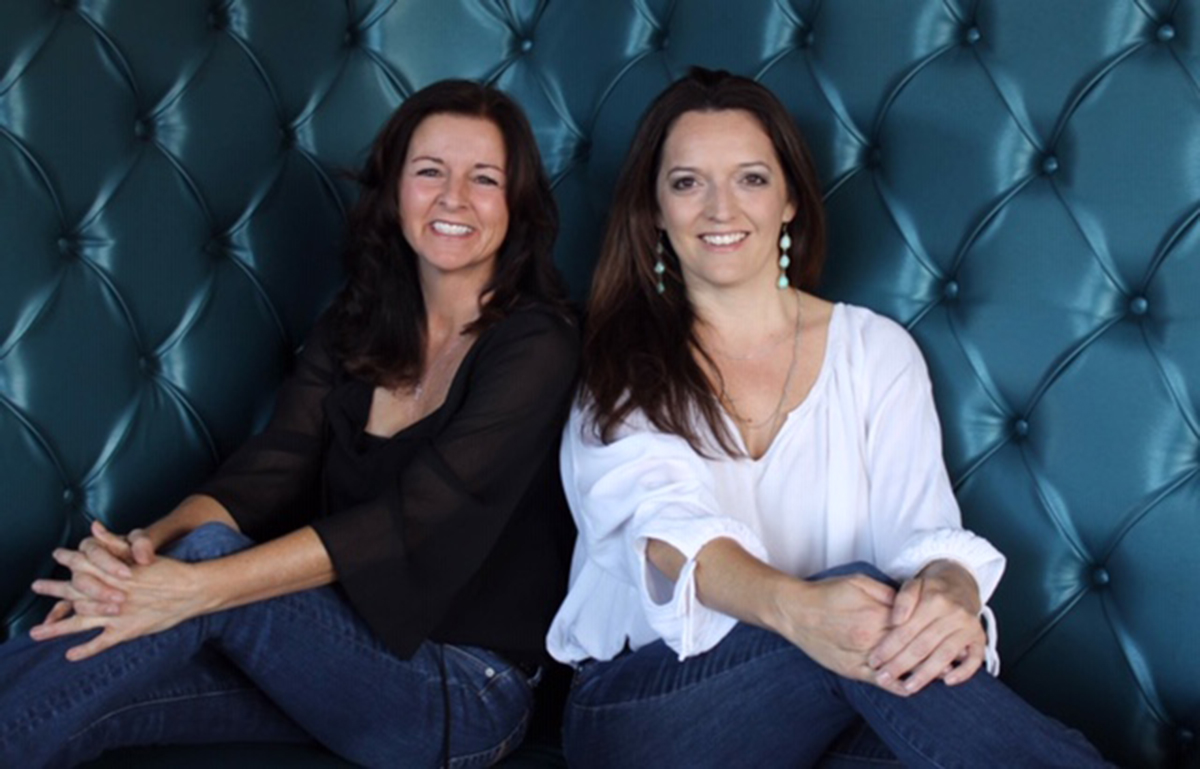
456	528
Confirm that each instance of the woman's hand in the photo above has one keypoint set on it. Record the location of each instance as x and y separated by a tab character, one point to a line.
936	631
158	596
113	553
839	621
98	559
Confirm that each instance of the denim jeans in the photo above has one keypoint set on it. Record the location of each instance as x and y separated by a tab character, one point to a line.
756	700
291	669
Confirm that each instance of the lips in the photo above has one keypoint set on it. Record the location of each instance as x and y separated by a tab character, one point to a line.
452	229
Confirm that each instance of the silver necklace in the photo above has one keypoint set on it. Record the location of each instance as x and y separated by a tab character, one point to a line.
772	418
435	368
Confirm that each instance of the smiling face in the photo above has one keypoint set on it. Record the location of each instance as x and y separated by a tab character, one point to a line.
722	199
453	209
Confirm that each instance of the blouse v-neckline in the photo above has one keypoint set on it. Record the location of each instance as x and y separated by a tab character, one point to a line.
792	416
362	416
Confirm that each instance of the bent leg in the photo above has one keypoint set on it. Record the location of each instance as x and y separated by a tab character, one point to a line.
58	713
308	652
978	723
753	700
209	702
315	658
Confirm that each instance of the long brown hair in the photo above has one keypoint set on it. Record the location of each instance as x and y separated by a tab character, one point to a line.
379	315
639	345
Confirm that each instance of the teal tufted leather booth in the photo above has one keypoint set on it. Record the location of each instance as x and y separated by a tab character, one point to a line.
1018	181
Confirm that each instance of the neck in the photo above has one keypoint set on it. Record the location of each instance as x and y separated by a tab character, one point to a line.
452	302
742	318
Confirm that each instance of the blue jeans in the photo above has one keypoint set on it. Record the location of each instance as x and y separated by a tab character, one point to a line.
756	700
291	669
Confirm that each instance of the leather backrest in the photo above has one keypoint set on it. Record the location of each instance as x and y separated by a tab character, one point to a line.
1018	181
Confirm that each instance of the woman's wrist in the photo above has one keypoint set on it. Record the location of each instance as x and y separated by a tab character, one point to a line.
787	598
959	580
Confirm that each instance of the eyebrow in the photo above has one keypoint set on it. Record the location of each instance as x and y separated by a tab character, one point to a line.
439	161
747	164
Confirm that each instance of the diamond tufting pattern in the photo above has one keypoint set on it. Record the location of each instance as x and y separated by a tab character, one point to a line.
1018	181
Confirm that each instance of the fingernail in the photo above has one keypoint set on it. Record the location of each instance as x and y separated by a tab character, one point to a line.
910	686
36	632
873	662
885	678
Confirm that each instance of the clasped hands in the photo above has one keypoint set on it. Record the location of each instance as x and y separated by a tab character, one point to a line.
900	640
120	584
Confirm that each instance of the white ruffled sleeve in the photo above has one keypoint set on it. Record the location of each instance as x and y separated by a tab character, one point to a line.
648	485
914	514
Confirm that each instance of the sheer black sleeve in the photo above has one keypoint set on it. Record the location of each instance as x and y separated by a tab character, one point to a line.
271	484
402	558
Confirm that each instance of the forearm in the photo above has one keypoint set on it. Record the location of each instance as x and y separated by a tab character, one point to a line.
191	514
294	562
734	582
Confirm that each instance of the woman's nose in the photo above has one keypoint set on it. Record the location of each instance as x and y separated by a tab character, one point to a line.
717	203
453	193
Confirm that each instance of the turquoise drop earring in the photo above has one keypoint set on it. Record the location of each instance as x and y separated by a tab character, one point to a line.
785	261
660	268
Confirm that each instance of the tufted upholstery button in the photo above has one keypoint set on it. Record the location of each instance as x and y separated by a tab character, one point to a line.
1049	165
218	246
874	157
1021	428
287	137
148	365
1138	305
1185	737
352	37
526	45
973	36
664	42
218	18
807	39
950	290
1165	33
69	496
1100	577
67	246
66	5
143	129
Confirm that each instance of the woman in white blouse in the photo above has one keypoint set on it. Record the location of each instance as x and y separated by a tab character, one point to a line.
769	550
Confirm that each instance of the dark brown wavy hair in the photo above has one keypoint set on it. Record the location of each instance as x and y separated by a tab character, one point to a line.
640	346
378	318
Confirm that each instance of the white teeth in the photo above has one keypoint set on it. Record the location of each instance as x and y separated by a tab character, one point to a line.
724	238
446	228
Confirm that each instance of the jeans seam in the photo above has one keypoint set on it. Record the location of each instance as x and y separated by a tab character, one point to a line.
501	749
114	666
673	692
154	702
482	666
884	710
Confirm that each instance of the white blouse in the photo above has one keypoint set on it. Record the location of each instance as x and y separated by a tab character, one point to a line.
855	473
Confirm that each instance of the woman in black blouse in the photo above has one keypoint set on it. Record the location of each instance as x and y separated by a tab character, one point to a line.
410	460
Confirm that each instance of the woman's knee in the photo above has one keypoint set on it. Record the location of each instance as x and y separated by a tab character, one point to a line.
212	540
